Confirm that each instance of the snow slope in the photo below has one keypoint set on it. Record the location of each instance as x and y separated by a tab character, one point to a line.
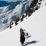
35	25
11	12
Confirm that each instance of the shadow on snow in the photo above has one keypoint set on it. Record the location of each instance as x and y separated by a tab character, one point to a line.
32	42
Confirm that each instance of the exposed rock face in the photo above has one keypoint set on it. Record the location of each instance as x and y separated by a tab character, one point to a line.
29	11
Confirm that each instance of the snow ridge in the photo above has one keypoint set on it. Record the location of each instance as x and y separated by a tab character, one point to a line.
9	15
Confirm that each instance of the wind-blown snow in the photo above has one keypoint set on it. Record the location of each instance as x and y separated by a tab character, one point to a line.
35	25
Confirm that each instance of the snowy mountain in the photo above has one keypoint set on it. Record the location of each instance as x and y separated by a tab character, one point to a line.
11	12
35	25
4	3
